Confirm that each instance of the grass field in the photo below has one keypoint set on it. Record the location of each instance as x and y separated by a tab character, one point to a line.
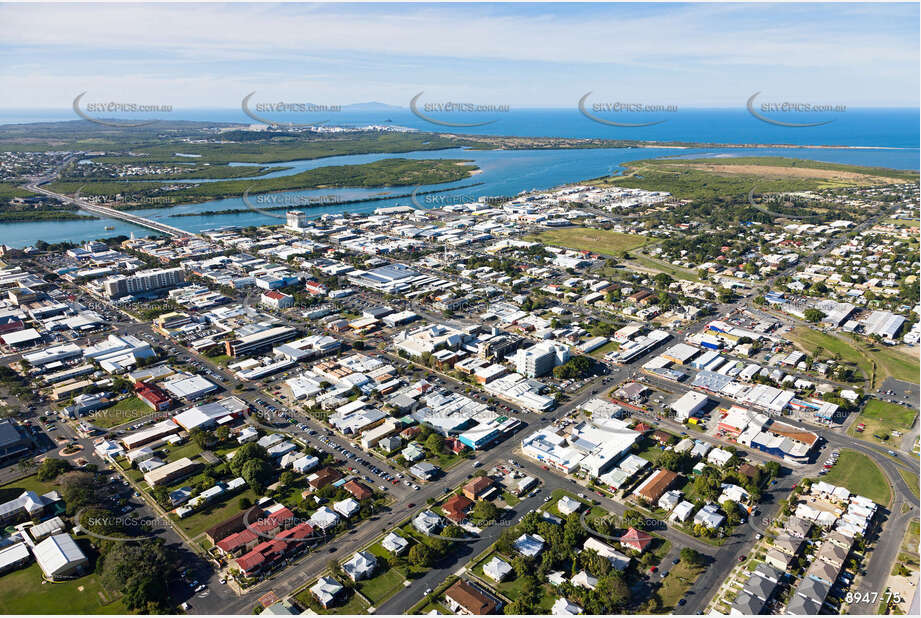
354	606
124	411
382	586
810	340
195	524
860	475
902	222
587	239
13	490
881	419
512	586
23	592
912	481
664	267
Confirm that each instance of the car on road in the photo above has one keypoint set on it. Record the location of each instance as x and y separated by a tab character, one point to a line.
742	558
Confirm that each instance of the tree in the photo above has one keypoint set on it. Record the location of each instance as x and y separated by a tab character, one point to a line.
420	555
691	556
51	467
485	512
141	572
78	489
257	473
250	450
244	503
222	433
813	315
434	443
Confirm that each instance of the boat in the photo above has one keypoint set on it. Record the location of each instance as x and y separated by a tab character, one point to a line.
109	227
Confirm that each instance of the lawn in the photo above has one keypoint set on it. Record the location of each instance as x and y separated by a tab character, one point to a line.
663	266
382	586
22	592
588	239
13	490
124	411
860	475
512	586
198	522
882	418
809	340
354	605
902	222
912	481
610	346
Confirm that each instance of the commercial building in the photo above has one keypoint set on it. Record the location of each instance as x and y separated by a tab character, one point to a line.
189	387
688	405
143	281
540	359
170	472
13	443
258	341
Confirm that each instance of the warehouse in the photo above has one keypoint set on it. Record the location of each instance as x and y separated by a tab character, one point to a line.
189	387
688	405
59	556
680	353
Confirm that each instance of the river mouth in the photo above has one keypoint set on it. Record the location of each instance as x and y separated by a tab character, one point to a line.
504	173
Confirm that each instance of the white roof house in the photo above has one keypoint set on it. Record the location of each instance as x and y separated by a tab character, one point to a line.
682	511
325	590
719	457
347	507
324	518
360	566
618	560
497	569
562	607
55	525
584	580
394	543
305	464
567	505
59	555
529	545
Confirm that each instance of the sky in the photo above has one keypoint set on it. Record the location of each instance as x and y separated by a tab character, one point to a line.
522	55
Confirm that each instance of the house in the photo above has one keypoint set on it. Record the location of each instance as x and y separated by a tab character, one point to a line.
359	490
709	516
822	571
466	598
529	545
661	437
567	505
746	604
360	566
497	569
719	457
617	559
326	590
562	607
635	539
670	499
323	477
412	453
324	518
427	522
477	487
584	580
305	464
777	559
394	543
682	511
455	508
347	507
424	471
653	487
797	527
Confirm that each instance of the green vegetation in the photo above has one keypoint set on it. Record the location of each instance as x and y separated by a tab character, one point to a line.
354	606
679	579
911	479
881	418
589	239
664	267
903	222
811	340
383	173
124	411
703	179
860	475
214	513
24	592
382	586
13	490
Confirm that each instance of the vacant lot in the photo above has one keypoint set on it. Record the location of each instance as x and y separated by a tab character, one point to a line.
588	239
811	340
881	419
860	475
124	411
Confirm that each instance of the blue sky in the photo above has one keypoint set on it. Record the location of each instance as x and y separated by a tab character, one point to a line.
522	55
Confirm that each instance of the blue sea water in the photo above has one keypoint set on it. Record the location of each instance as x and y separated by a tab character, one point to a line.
885	138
